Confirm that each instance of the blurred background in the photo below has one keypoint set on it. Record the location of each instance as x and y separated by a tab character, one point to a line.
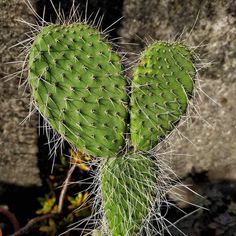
202	152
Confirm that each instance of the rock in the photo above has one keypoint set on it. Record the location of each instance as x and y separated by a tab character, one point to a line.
209	27
212	147
18	160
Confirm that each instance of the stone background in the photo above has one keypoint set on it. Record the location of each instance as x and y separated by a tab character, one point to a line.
18	158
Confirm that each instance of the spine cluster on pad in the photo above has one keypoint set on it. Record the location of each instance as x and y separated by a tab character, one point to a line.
78	87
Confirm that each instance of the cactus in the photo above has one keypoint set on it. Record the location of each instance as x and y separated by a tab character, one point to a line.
128	187
161	87
77	85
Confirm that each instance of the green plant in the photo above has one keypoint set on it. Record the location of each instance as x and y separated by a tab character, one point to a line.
161	87
78	86
128	187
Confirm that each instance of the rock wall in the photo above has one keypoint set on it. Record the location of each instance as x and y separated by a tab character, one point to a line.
18	158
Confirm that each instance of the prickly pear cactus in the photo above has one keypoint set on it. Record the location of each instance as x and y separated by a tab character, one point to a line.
128	187
77	85
161	87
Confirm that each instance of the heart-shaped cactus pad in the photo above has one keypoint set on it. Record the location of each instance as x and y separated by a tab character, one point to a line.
161	87
76	82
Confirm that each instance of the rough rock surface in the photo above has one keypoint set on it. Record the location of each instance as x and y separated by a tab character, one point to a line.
210	28
18	160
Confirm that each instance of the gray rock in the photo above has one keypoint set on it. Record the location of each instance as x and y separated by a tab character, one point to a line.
18	159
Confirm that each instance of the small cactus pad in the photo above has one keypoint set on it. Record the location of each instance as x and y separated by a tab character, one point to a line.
77	85
128	186
161	87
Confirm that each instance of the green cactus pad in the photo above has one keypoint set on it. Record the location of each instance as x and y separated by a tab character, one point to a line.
128	186
161	87
77	85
